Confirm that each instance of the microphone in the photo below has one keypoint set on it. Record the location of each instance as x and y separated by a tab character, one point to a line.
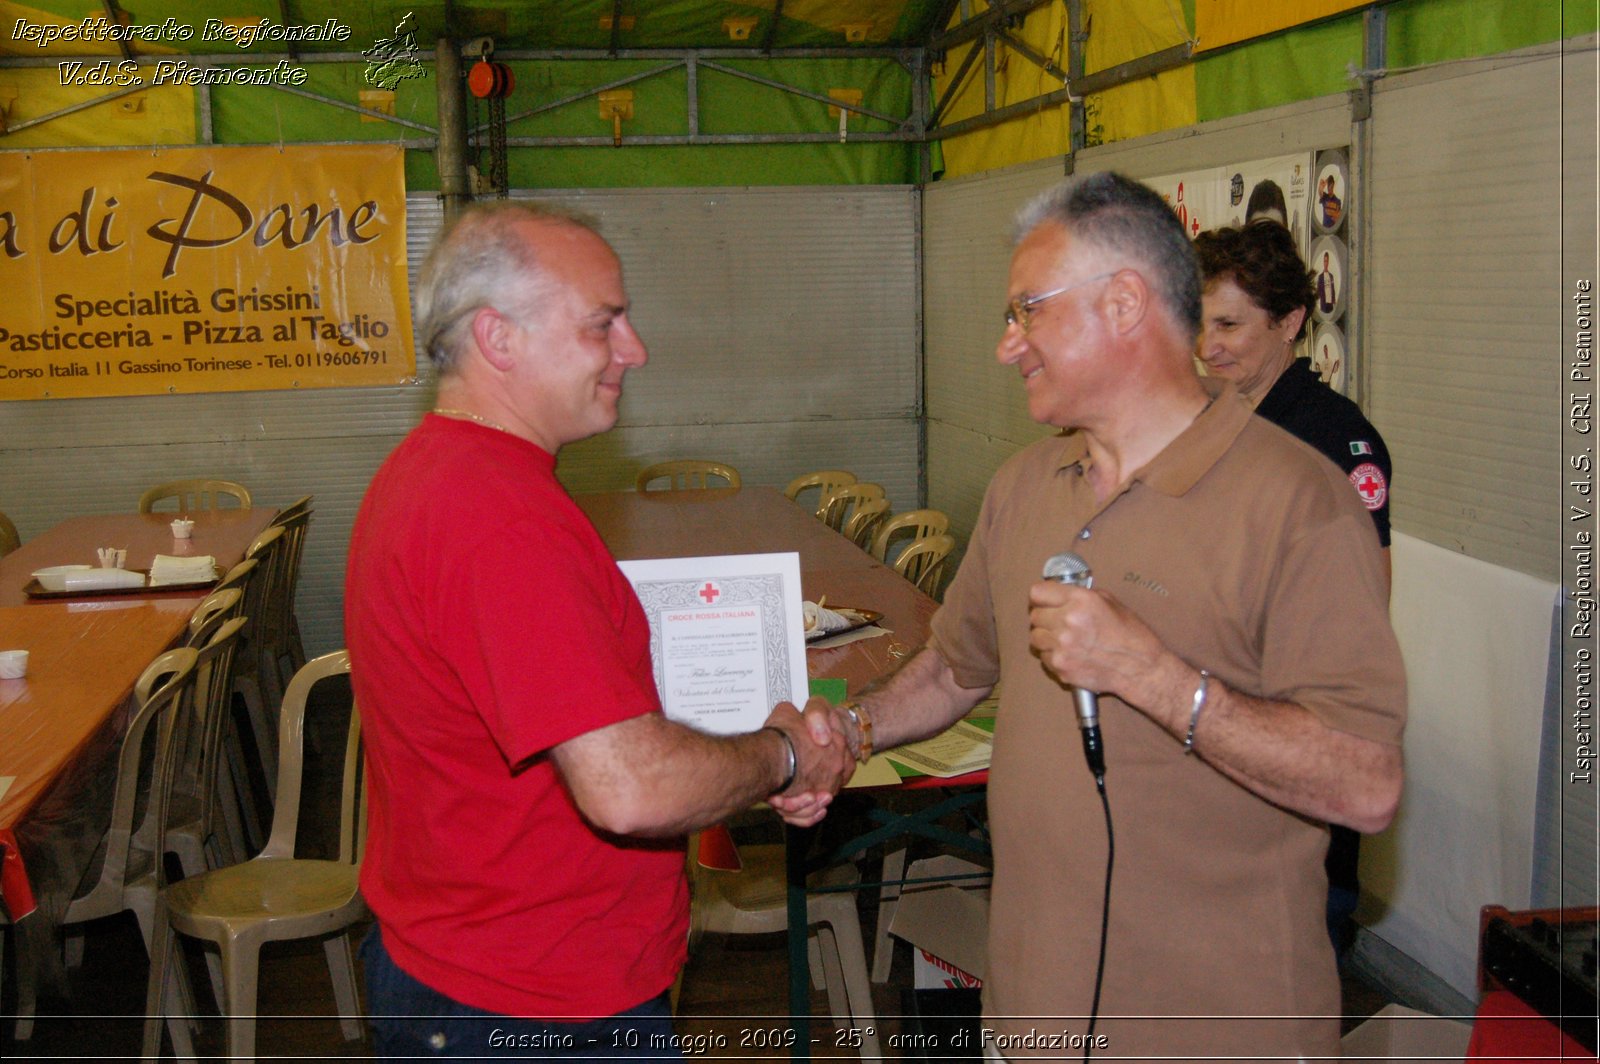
1069	568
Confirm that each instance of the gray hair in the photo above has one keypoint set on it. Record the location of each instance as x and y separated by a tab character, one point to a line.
481	259
1119	215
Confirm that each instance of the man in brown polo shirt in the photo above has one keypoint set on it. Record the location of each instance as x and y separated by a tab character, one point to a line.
1220	543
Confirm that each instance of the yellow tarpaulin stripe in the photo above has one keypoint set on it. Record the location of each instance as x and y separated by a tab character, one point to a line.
1121	30
1219	23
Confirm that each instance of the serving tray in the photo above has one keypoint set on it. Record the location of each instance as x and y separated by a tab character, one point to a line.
35	590
858	619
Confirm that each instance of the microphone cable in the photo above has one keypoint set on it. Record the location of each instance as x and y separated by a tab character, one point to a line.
1105	917
1069	568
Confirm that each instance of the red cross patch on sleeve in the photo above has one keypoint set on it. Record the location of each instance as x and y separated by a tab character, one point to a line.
1370	485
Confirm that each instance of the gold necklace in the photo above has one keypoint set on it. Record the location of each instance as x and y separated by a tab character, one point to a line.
467	415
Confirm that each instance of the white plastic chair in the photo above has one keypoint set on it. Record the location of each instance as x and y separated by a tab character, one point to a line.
842	502
274	896
910	526
753	900
824	480
922	562
859	526
685	474
129	864
192	495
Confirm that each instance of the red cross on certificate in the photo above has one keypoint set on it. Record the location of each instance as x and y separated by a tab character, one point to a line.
711	592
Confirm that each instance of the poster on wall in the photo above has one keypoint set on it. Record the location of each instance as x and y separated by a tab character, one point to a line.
1327	356
1194	197
1217	196
1333	186
1329	270
1307	194
207	269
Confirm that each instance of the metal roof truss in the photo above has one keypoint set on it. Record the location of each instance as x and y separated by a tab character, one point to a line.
989	32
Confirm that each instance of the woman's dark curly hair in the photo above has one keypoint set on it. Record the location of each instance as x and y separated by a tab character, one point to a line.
1262	260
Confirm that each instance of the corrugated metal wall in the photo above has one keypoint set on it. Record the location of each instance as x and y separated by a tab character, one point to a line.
1464	277
783	327
784	334
977	412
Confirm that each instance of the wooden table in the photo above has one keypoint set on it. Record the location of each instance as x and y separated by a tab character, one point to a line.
61	724
81	667
761	520
223	534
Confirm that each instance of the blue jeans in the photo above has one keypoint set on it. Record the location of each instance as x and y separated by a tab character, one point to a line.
410	1019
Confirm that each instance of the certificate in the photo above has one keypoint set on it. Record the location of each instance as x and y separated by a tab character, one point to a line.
961	749
726	636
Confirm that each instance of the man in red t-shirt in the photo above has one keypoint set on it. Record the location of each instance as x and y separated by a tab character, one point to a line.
528	798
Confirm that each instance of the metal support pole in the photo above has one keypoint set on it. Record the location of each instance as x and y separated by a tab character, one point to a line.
203	101
691	82
951	89
451	155
1099	81
999	11
1076	39
921	86
1375	56
988	71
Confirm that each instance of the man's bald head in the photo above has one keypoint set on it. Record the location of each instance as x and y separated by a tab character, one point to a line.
485	257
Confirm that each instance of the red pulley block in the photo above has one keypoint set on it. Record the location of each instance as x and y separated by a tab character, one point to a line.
490	81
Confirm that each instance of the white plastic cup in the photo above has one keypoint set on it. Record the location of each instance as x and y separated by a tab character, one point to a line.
13	664
182	528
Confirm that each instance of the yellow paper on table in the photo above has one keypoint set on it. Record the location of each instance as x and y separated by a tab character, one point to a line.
961	749
877	772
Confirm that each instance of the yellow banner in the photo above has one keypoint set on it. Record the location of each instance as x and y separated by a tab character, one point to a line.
1218	23
185	270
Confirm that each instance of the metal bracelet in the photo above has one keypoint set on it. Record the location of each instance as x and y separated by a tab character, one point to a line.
863	722
794	759
1201	693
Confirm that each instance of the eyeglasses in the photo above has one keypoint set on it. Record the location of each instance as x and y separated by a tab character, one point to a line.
1019	312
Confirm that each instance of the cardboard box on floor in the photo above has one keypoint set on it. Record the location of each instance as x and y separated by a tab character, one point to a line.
1396	1033
946	924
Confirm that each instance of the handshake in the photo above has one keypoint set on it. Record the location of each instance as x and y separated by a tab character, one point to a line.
826	741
